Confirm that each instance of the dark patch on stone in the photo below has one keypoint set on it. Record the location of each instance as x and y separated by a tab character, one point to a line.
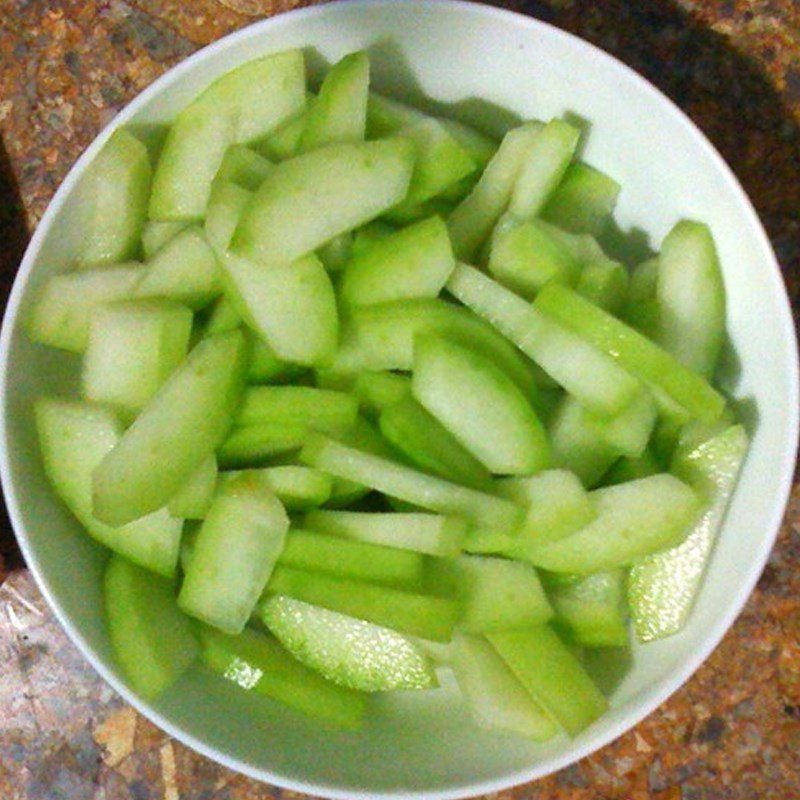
18	752
787	251
73	62
56	121
139	790
141	30
29	655
768	578
540	10
792	711
119	36
711	730
793	83
572	776
31	89
793	547
656	778
111	95
86	753
206	794
744	710
788	132
690	792
57	777
683	772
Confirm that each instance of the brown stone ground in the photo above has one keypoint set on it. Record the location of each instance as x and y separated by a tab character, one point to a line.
733	732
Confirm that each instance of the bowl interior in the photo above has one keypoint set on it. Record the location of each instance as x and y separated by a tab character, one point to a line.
486	67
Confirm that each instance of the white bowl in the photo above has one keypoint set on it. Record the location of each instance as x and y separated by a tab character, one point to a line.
423	744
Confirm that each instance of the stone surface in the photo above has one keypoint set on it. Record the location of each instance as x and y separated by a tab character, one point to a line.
733	732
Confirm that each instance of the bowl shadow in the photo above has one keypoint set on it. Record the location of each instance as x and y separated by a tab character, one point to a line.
14	237
724	90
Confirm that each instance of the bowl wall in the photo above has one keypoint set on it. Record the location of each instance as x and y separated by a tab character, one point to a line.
475	62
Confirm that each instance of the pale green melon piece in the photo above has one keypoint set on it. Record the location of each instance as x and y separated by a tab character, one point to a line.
346	650
74	438
152	641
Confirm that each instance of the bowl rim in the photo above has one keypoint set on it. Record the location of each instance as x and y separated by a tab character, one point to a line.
657	694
